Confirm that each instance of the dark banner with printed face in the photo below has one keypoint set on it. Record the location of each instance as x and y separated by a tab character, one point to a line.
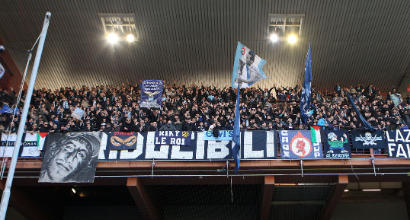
71	157
254	145
297	144
366	139
122	140
398	143
151	93
336	145
173	137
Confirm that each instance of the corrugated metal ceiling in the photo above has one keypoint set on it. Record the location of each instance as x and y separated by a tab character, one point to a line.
191	41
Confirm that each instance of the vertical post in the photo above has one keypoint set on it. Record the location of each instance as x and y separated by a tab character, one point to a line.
6	193
267	192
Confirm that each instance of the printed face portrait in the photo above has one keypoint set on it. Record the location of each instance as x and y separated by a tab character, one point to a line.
70	158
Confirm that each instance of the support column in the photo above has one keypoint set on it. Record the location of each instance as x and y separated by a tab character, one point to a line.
141	198
406	194
334	197
267	192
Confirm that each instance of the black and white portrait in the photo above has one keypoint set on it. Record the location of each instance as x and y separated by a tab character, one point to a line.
70	157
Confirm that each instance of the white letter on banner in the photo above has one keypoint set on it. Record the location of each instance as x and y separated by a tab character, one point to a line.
391	149
176	153
200	144
399	136
248	152
125	154
400	151
151	153
408	135
270	144
103	146
222	152
388	137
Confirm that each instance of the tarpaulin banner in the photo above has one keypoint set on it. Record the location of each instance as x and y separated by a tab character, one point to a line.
256	145
122	140
398	143
173	137
31	145
151	93
297	144
336	145
71	157
366	139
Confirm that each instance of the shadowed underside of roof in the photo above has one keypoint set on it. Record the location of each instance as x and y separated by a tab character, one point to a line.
193	42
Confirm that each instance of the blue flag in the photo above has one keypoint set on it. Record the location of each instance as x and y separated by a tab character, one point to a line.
362	119
306	90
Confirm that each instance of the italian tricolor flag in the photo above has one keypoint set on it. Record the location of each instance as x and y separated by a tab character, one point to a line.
41	137
315	133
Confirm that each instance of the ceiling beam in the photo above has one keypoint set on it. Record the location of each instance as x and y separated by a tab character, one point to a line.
267	192
334	197
365	162
141	198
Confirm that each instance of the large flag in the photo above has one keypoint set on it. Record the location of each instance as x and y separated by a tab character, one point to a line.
247	67
247	70
306	90
362	119
151	93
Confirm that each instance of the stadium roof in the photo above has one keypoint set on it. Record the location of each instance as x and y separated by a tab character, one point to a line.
194	41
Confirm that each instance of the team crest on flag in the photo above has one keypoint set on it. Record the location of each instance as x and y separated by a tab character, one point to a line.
298	145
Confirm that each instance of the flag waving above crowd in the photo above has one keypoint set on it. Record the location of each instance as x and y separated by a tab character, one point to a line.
247	67
307	87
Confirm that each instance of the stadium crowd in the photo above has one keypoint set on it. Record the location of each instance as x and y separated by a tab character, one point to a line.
199	108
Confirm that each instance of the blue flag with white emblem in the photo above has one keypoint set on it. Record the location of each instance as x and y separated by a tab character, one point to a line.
306	90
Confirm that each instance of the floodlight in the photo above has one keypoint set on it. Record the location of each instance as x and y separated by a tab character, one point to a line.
292	38
112	38
274	37
130	38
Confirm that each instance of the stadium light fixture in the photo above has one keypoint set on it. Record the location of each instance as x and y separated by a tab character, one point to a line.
112	38
274	37
346	190
130	38
292	39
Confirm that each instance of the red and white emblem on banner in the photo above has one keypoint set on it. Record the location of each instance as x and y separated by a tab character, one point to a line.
300	145
243	51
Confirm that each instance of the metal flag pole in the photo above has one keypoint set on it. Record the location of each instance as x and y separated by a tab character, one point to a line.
6	192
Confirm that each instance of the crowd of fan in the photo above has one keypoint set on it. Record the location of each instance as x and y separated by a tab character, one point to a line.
199	108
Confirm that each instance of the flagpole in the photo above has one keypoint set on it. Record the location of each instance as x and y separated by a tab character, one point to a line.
6	192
